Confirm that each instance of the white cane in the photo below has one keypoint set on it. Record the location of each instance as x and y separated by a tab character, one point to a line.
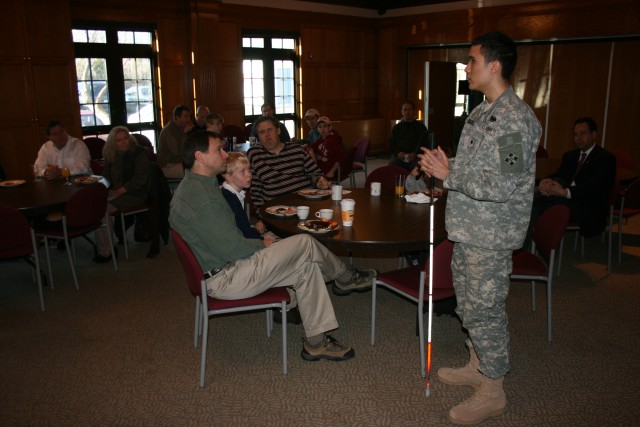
432	184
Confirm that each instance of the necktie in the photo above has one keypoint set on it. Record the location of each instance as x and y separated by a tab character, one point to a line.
583	157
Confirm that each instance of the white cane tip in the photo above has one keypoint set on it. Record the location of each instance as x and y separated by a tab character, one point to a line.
427	391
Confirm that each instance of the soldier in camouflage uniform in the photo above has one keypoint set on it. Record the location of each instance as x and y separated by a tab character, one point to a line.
488	209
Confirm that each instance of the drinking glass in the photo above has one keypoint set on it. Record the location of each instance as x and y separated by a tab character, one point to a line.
399	185
36	172
66	173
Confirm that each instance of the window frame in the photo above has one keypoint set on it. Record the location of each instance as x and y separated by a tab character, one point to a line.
269	55
113	52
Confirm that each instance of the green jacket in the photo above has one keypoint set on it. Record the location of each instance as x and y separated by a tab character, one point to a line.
202	216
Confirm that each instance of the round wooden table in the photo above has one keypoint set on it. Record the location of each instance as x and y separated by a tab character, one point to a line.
35	198
381	224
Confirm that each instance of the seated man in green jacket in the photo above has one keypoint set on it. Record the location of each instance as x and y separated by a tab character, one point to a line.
237	267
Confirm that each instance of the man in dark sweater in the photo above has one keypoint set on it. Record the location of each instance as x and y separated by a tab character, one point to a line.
405	137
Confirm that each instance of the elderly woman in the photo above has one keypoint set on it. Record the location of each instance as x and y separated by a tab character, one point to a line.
127	169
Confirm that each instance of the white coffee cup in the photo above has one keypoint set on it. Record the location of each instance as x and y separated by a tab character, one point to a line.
302	211
325	213
348	207
336	192
376	187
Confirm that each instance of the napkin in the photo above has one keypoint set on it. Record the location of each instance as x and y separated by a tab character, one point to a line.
418	198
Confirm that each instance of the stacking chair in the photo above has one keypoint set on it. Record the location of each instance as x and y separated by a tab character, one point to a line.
345	166
145	143
85	211
360	160
233	130
538	267
542	152
95	145
574	226
385	175
19	241
629	206
247	131
413	284
207	306
122	213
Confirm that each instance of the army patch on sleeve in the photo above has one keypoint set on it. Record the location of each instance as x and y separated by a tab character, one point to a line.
511	153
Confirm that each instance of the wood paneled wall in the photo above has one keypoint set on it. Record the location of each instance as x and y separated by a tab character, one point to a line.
353	68
339	57
37	79
588	74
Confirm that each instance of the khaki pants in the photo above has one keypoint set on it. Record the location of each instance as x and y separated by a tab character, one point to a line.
299	262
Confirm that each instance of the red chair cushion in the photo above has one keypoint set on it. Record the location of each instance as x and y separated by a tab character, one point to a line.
270	296
527	264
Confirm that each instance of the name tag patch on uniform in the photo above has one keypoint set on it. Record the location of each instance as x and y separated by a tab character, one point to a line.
511	154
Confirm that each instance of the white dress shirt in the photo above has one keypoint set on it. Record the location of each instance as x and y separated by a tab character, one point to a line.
74	155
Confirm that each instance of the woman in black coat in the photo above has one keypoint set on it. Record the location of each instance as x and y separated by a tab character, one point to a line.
127	171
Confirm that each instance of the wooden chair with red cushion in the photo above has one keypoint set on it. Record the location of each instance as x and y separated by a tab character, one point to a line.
85	211
385	175
628	205
95	146
19	241
413	284
207	306
537	265
145	143
234	131
360	160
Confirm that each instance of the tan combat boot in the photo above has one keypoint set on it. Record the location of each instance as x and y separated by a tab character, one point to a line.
489	400
467	375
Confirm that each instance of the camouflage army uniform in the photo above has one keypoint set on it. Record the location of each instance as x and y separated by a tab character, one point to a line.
488	209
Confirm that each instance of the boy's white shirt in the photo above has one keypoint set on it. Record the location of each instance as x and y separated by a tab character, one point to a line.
240	194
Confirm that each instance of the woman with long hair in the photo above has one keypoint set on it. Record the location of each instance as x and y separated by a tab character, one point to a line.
127	170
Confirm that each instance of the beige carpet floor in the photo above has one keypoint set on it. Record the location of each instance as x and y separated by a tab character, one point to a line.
120	353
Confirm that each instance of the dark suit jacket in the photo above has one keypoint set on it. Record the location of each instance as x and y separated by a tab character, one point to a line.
242	220
591	194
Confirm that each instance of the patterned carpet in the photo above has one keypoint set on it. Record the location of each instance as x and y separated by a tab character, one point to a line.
120	353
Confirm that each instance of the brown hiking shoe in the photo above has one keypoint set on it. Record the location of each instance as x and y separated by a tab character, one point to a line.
360	281
329	349
489	400
468	375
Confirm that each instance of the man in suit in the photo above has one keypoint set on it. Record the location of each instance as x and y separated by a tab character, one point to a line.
584	181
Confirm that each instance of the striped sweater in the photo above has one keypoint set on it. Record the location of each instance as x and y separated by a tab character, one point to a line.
273	175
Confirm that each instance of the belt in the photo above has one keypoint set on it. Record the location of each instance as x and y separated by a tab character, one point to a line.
209	274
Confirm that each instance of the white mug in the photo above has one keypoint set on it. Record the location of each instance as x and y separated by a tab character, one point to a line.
375	188
325	213
303	212
336	192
